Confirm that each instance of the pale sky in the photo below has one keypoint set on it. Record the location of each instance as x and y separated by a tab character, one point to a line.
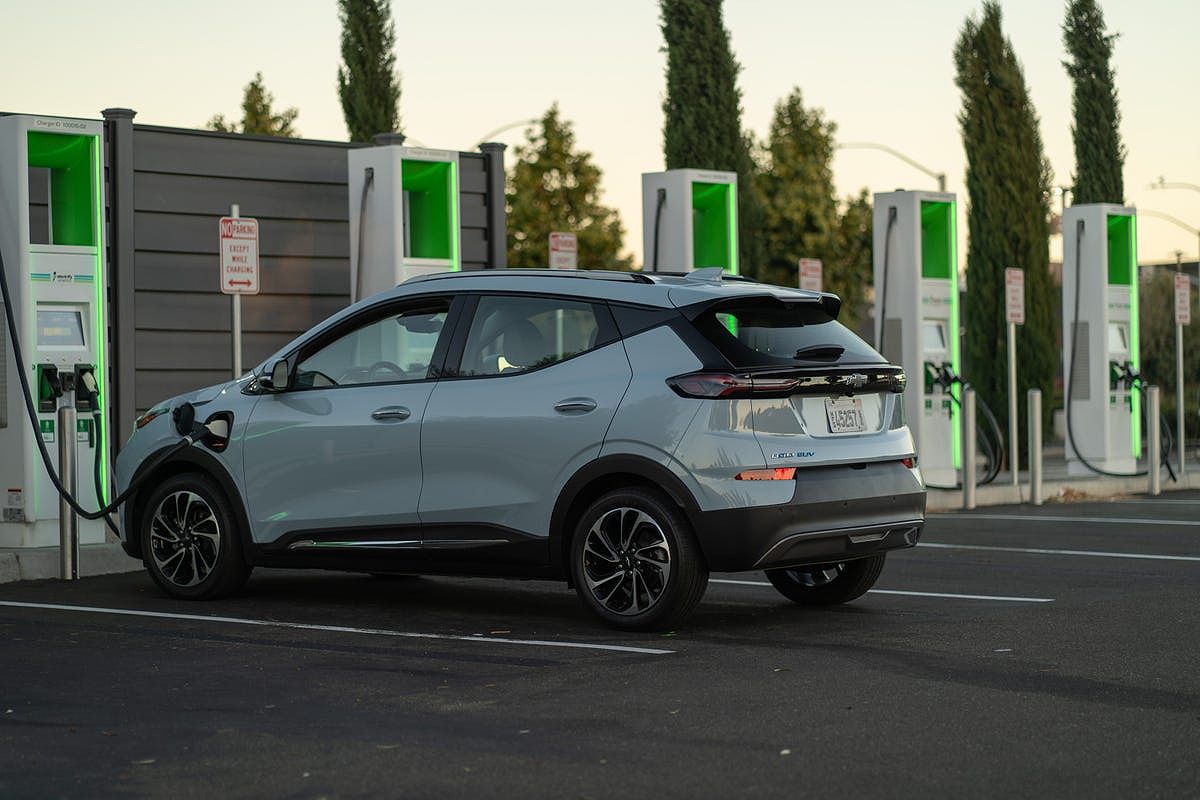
881	70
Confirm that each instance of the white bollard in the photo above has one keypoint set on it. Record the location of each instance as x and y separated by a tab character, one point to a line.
1154	445
1035	446
968	449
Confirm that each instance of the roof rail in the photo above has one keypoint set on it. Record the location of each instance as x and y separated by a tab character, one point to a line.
596	274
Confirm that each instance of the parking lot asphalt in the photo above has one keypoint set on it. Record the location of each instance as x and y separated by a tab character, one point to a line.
1020	651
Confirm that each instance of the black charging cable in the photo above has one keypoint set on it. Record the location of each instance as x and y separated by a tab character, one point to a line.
658	209
368	181
887	254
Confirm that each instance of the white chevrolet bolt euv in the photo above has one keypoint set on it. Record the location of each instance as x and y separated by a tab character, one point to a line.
627	433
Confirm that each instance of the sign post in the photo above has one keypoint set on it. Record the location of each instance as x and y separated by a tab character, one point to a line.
1183	316
239	270
810	274
1014	307
564	251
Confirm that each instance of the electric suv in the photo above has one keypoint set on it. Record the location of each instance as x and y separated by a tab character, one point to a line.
624	432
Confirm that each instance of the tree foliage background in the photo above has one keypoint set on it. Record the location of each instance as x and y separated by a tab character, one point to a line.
1156	306
368	86
554	186
1008	182
258	115
1099	153
703	110
802	217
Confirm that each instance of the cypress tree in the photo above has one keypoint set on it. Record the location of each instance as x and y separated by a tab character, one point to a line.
1008	182
367	82
1099	154
703	109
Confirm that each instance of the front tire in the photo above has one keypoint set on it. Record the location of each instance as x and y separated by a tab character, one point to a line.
635	562
190	540
827	584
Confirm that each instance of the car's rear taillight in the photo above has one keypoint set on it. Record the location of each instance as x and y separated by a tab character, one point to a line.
775	474
909	463
730	385
711	384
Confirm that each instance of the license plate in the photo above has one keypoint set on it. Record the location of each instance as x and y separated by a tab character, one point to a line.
845	414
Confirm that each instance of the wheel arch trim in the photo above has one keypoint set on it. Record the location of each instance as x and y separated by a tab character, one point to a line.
599	470
191	459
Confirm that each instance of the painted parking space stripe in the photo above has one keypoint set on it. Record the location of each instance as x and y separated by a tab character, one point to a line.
907	593
1047	551
1188	523
304	626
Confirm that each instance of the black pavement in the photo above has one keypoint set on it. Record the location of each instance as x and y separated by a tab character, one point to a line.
1070	668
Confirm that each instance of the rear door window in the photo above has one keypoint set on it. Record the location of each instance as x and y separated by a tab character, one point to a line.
511	334
766	332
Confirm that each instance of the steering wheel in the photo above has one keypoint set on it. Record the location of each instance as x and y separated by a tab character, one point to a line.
384	366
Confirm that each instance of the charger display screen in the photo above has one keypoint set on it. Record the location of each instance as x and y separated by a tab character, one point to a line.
59	328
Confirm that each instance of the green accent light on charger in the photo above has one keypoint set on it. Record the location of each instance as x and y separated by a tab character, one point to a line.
1121	231
431	193
714	226
69	159
939	260
100	339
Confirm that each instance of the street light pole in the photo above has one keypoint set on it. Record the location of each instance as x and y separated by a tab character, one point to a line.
487	137
940	177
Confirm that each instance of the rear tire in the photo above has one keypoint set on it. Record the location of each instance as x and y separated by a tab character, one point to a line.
827	584
191	542
635	562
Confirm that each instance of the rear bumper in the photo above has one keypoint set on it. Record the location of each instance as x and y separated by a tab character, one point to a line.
836	513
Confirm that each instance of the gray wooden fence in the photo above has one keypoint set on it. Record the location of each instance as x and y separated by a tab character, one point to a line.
167	187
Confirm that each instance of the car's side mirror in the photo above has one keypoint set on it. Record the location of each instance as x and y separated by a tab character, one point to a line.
278	379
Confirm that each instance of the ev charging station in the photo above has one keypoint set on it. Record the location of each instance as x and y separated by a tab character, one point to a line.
54	257
404	215
917	321
689	220
1100	338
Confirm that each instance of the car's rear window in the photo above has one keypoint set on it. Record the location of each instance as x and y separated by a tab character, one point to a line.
770	333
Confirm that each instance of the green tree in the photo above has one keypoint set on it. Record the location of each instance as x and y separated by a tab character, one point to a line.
258	114
367	82
1008	188
1099	154
796	184
703	109
801	212
851	268
556	187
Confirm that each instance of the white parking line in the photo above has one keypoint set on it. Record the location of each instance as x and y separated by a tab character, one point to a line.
907	593
1190	523
1158	501
267	623
1046	551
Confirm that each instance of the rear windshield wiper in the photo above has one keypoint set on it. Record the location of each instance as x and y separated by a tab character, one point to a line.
819	352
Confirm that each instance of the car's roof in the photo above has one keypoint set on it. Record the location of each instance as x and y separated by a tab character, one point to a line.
665	289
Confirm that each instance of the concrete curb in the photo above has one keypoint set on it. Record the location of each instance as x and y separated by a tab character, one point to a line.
1055	491
41	563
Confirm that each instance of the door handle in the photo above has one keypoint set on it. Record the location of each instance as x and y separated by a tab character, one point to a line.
391	412
575	405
